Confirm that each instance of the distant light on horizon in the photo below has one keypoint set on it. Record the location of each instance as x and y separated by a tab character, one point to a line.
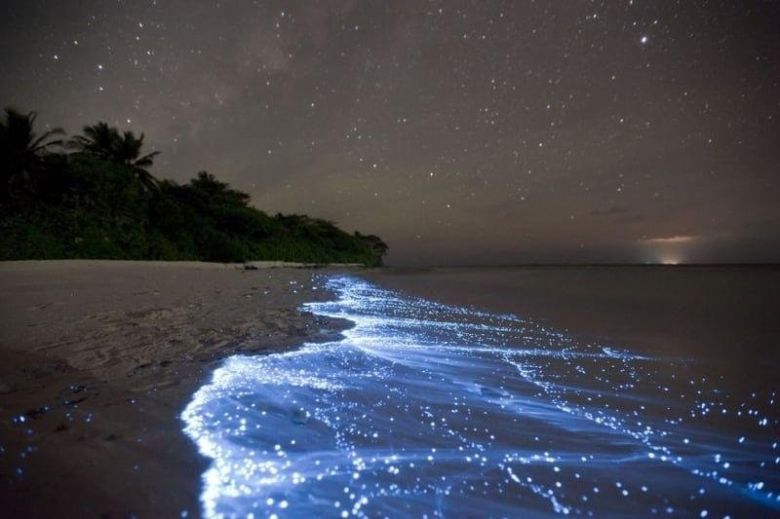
669	250
670	260
664	258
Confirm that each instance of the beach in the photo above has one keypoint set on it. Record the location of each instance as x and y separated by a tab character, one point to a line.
97	360
181	389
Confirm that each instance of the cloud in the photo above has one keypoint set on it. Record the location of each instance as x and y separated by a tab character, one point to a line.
671	240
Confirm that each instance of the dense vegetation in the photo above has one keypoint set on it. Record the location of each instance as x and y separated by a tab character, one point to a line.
93	197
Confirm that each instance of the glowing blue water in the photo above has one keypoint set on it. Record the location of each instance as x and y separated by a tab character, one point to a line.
425	409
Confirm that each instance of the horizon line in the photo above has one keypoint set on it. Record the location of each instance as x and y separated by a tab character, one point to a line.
602	264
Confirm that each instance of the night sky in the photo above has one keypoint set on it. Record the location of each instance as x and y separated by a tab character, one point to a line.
460	132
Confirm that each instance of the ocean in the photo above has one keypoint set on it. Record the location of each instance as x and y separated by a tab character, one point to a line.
434	409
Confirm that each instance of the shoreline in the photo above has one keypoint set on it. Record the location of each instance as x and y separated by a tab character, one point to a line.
99	358
416	387
28	265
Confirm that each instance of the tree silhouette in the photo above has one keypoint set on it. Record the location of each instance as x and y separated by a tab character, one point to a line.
217	192
106	142
21	149
377	245
128	152
102	202
98	140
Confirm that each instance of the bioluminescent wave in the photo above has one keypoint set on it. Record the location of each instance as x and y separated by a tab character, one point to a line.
430	410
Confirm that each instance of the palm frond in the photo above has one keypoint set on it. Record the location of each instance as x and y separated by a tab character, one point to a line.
147	160
39	144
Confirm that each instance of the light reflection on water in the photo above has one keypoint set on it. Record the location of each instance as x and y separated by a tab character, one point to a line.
431	410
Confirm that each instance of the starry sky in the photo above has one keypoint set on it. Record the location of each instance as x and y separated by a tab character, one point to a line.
461	132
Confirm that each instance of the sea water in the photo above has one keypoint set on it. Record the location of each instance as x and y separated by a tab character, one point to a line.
429	410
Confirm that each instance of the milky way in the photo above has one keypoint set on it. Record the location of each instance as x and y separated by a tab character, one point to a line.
460	132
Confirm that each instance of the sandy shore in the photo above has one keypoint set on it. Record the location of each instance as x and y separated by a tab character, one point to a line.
97	359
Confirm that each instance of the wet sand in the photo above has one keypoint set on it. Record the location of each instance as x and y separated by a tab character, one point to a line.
97	360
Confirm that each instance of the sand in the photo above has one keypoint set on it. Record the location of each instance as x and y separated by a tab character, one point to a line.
98	358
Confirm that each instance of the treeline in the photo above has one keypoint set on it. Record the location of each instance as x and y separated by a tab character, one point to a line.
92	196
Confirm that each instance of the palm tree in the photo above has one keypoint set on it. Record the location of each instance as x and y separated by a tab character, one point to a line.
98	140
21	149
128	152
104	141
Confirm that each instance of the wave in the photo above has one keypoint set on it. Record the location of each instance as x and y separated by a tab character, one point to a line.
424	409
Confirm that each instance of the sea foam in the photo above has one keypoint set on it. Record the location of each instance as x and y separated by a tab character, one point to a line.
424	409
